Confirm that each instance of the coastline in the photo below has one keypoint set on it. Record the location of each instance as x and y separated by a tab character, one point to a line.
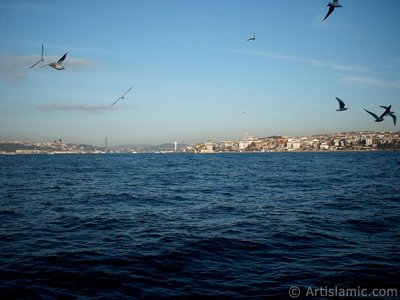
361	141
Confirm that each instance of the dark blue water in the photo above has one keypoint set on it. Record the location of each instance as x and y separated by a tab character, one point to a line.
230	226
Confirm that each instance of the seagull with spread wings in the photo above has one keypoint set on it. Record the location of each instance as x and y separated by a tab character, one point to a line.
58	65
40	60
253	38
392	114
332	5
380	118
341	105
123	96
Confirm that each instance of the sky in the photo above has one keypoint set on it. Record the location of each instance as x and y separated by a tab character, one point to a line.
194	74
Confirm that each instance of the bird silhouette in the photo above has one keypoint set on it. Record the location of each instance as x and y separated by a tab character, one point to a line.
341	105
332	5
253	38
392	114
58	65
380	118
123	96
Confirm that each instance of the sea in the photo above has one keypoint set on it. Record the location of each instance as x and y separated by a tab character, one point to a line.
200	226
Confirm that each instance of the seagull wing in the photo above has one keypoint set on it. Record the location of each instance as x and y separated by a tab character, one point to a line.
41	58
394	118
126	92
387	110
62	59
390	113
372	114
35	64
253	38
341	103
46	65
331	9
116	101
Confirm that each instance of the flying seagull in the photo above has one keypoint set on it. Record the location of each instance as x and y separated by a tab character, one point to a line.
332	5
379	119
58	65
392	114
341	105
123	96
253	38
41	58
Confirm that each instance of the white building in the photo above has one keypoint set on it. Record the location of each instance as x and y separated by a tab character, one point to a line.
209	148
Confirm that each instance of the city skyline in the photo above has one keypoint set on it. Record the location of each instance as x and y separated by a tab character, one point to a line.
353	140
193	72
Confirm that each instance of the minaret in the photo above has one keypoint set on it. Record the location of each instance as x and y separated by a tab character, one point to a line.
106	144
176	145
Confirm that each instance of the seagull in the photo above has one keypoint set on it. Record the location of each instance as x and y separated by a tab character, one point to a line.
123	96
58	65
253	38
332	5
341	105
392	114
379	119
41	58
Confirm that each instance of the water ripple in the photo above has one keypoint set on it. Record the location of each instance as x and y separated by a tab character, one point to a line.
196	226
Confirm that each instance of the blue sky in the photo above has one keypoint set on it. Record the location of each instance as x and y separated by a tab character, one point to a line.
194	75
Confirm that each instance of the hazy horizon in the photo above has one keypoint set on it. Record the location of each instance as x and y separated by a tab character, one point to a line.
110	145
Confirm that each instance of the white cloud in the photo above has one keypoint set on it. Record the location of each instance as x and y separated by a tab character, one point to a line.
15	68
309	61
371	81
80	63
74	107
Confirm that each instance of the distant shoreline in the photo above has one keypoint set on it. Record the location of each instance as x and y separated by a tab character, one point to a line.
361	141
202	153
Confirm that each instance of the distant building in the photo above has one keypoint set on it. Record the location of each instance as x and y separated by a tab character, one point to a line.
293	144
368	141
324	146
27	151
209	148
